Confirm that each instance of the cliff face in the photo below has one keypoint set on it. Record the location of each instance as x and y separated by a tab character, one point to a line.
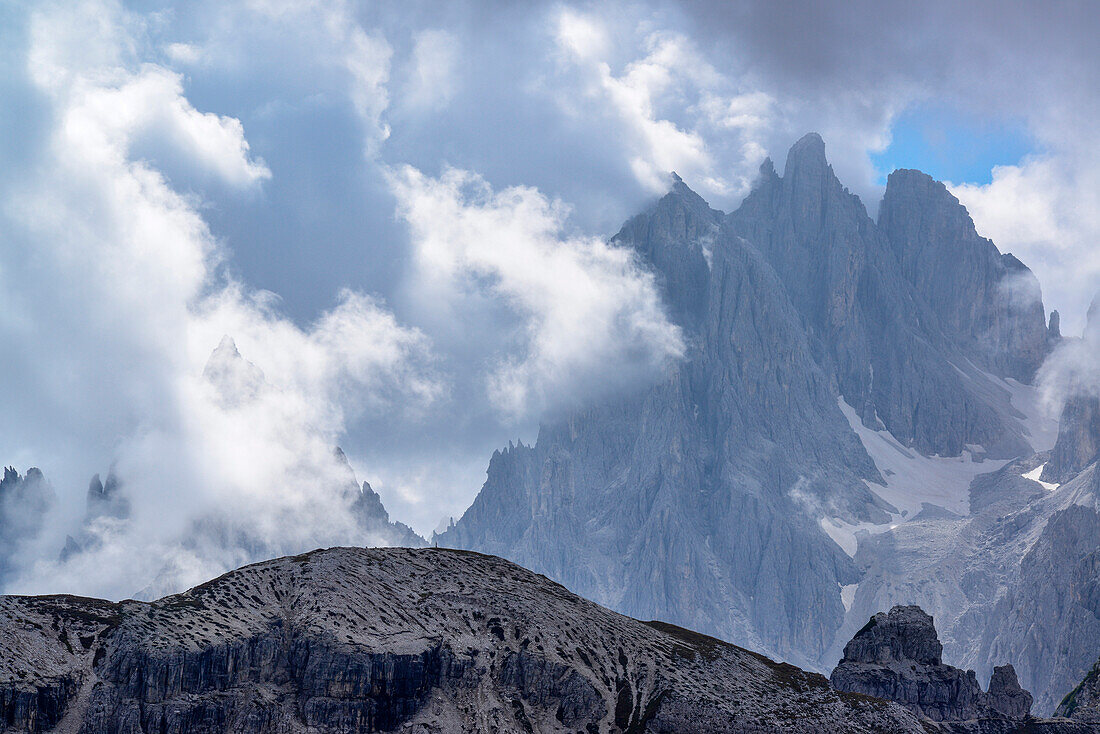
356	640
728	497
1078	439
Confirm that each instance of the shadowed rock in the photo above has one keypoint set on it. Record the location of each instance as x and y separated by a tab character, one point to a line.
1083	702
897	656
1078	439
1005	694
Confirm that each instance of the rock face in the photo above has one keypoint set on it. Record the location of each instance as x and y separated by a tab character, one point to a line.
1006	696
357	640
726	497
897	656
1083	702
1078	439
371	515
988	303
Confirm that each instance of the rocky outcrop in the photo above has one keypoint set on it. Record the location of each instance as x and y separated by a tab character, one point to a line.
1006	696
358	640
1054	329
897	656
1083	702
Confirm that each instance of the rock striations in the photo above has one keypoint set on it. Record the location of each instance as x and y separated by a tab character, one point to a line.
357	640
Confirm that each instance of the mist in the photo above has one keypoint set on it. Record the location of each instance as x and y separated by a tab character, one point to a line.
399	216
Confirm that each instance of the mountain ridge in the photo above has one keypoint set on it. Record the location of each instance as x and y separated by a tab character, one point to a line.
731	496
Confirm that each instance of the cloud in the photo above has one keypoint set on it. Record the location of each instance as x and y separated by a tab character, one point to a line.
120	301
1073	369
592	319
253	151
673	75
1042	210
433	77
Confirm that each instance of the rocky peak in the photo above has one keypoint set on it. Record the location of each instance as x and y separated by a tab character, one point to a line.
235	379
806	162
1054	328
369	512
1006	696
813	195
675	238
106	498
898	656
904	634
987	303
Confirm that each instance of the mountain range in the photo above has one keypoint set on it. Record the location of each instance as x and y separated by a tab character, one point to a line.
433	640
856	424
861	420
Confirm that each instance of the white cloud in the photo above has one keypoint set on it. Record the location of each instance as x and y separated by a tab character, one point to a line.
183	53
592	317
433	76
121	303
674	78
1043	210
364	56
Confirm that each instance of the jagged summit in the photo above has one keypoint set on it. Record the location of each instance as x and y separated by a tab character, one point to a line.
235	380
729	496
988	303
808	153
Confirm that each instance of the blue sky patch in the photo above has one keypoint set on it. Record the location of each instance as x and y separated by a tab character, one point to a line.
954	146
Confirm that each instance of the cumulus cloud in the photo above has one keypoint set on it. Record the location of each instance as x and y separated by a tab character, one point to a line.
592	319
1043	210
121	302
672	75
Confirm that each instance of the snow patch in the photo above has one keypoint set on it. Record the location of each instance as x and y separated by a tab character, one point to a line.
846	534
913	479
1037	472
847	596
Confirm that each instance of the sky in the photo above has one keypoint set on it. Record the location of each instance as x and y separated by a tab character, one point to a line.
399	212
